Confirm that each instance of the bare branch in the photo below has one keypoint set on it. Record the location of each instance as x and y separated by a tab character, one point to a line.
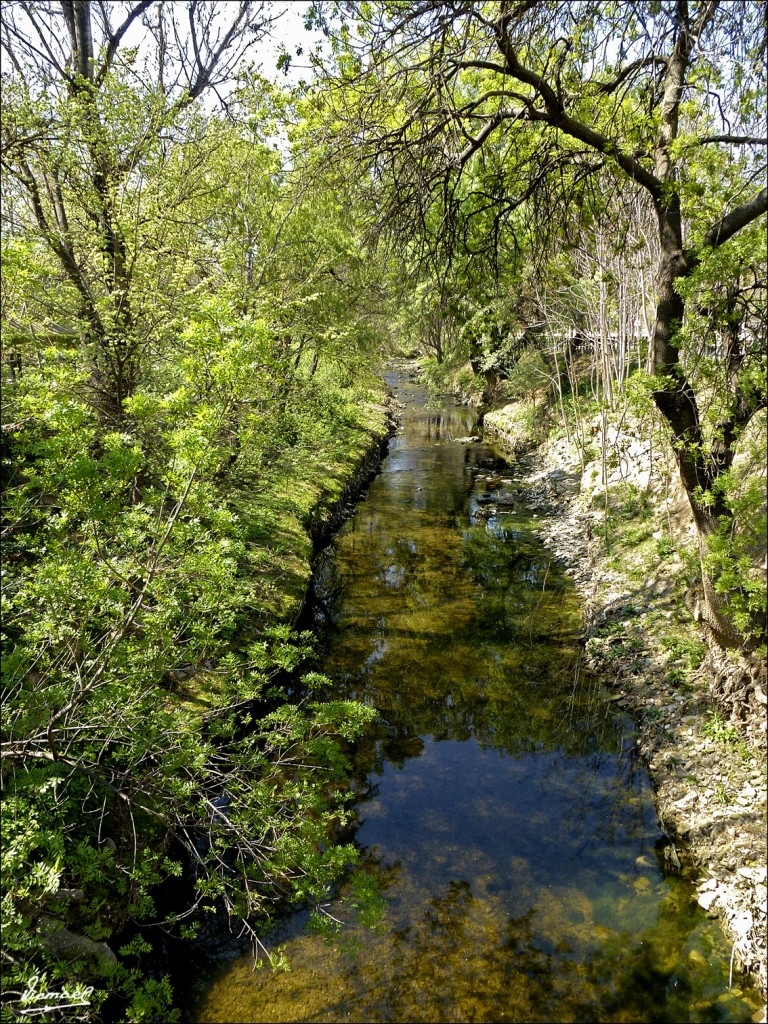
506	114
116	38
733	140
206	71
47	54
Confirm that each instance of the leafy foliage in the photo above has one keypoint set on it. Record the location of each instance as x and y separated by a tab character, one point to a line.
185	385
194	307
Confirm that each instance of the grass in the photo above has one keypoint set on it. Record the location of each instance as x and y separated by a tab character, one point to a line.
721	794
717	729
290	497
684	647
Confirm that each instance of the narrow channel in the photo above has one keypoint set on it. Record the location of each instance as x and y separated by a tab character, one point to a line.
512	865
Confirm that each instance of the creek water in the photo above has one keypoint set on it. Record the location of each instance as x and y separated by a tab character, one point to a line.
512	865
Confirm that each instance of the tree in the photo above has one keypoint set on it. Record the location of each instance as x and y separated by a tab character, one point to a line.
158	401
87	122
651	94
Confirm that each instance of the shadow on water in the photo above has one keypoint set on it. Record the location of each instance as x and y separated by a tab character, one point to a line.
511	862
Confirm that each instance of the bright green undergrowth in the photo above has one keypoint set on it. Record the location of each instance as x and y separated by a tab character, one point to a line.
151	576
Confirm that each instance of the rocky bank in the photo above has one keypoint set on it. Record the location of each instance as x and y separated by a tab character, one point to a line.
708	770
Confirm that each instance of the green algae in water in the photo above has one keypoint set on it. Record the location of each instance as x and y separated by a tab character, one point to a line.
510	852
453	956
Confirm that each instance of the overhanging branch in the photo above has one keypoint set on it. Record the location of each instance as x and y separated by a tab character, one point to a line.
736	220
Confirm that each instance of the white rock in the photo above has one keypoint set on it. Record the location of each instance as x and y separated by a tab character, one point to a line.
707	899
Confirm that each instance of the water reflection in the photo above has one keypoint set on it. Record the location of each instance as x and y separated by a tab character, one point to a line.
504	819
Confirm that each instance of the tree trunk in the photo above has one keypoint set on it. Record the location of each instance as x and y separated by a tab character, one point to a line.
676	399
677	403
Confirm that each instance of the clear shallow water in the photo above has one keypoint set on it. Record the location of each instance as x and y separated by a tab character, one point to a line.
512	866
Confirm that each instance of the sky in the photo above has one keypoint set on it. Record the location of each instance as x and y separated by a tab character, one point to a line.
289	33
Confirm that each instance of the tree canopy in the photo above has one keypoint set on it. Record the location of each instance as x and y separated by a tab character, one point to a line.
517	116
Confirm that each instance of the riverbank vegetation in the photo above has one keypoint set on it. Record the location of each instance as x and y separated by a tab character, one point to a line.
187	394
558	207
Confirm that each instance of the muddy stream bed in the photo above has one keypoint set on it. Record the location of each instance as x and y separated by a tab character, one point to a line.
512	864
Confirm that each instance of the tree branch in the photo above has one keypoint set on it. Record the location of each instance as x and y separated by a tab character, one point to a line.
483	65
206	71
705	14
60	246
628	71
555	115
735	140
492	124
49	54
116	38
736	220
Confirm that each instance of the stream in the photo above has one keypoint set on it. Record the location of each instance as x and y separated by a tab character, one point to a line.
512	866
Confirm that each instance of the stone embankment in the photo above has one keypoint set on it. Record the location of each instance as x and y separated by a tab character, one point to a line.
708	773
